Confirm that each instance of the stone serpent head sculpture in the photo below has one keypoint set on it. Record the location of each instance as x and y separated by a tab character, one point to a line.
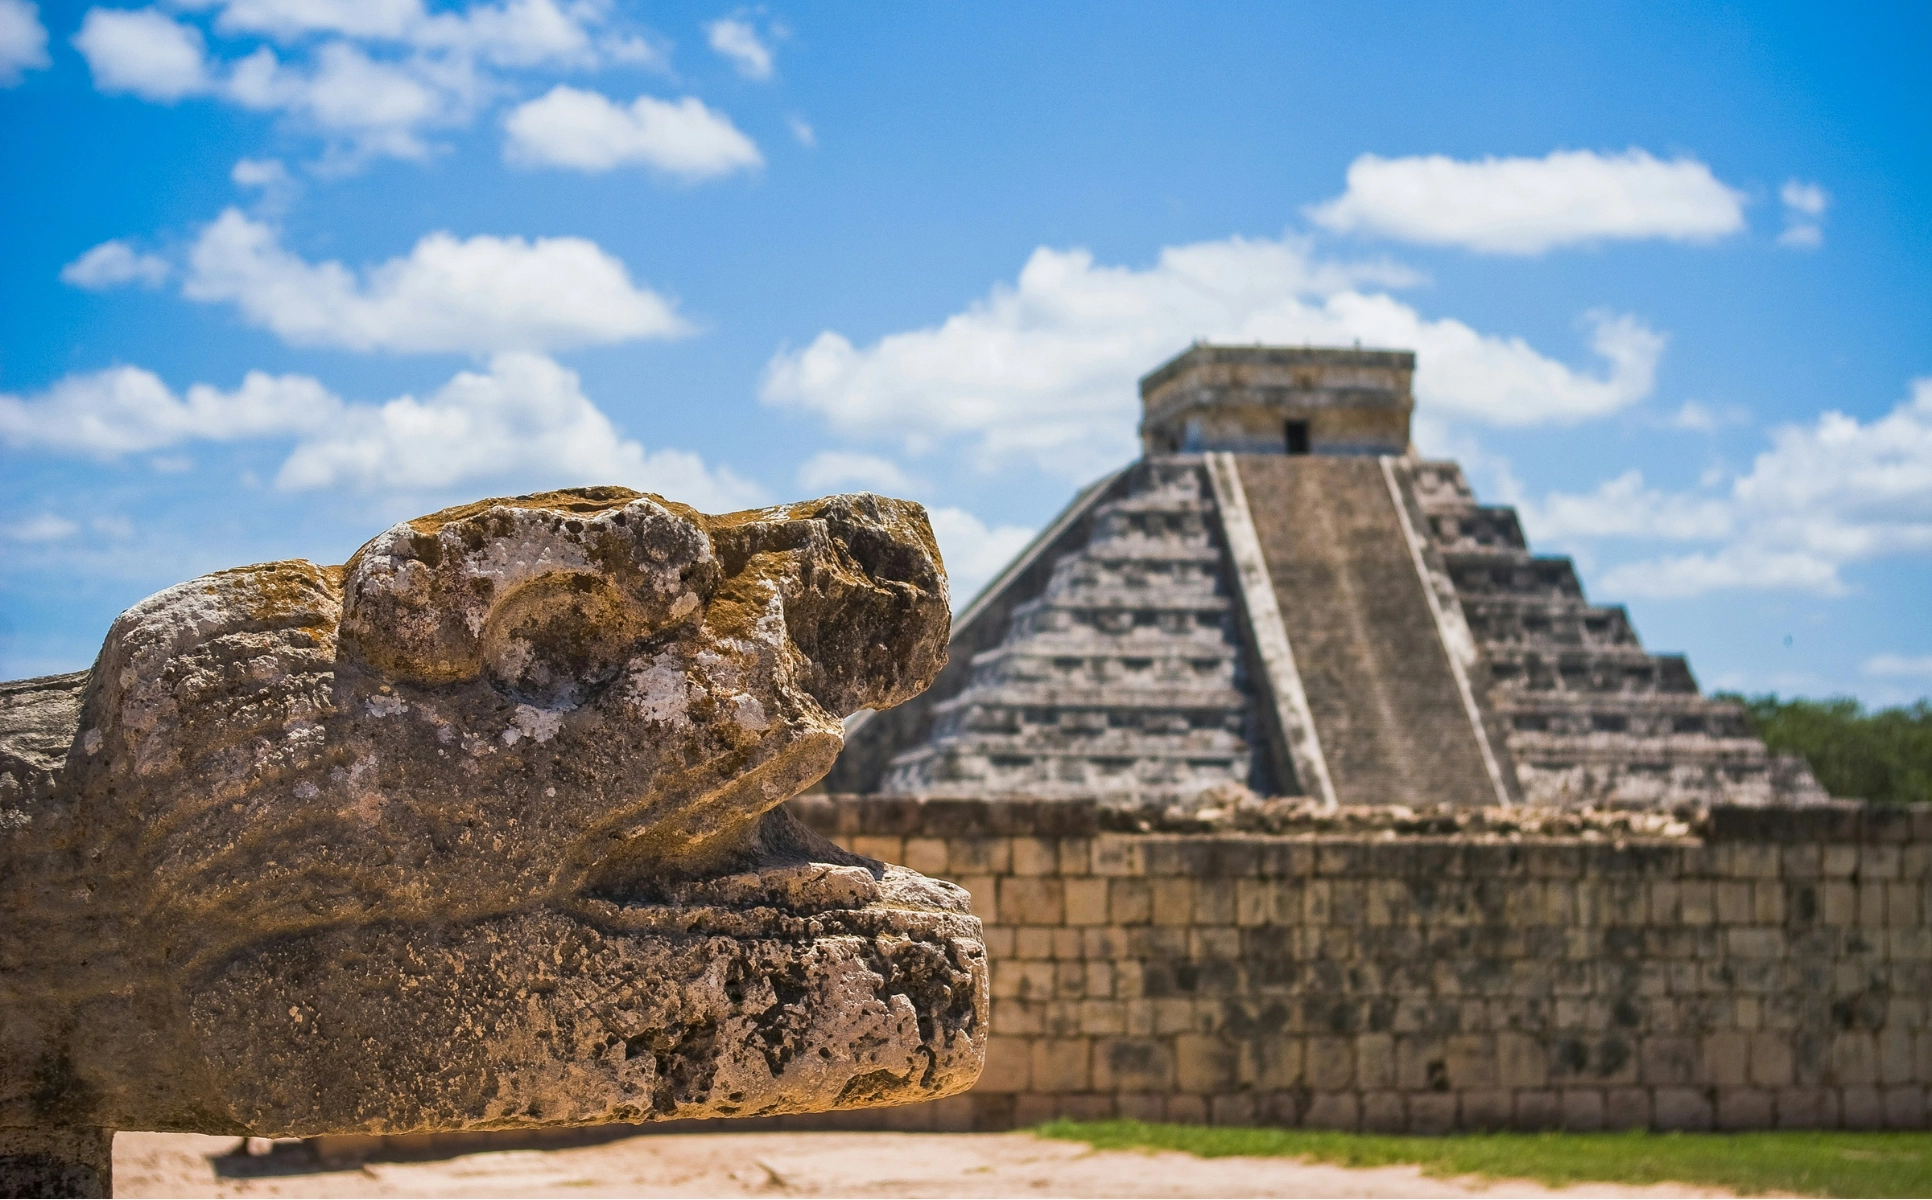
481	830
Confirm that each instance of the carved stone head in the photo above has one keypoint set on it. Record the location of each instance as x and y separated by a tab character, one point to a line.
482	830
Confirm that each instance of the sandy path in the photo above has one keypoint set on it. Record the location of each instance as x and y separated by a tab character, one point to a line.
792	1164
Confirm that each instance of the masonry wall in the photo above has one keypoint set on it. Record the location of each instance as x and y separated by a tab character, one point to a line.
1774	972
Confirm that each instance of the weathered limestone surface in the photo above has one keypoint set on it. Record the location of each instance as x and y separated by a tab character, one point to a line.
481	830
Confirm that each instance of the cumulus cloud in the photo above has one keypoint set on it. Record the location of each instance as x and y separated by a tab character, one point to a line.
834	470
372	77
1804	215
1899	664
473	295
526	418
570	127
128	410
23	40
1044	369
974	552
1530	205
114	263
1823	496
143	52
522	424
737	41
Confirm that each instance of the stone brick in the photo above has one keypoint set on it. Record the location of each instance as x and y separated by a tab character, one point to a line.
1214	902
885	849
1744	1108
1130	901
984	892
1878	862
977	856
1681	1108
1034	1110
1734	905
1806	1108
1115	855
1626	1108
1538	1109
1036	979
1061	1064
1895	1060
1008	1062
1140	1106
1727	1057
1031	901
1902	907
1384	1112
1330	1064
1904	1106
1770	1060
1861	1108
1521	1061
1854	1059
1668	1060
1254	902
1133	1064
1486	1109
1067	941
1187	1110
1085	901
1204	1064
1840	861
1582	1110
1032	942
928	856
1432	1112
1173	901
1271	1063
1035	856
1374	1063
1333	1110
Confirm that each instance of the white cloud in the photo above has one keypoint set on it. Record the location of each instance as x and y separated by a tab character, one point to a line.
23	40
474	295
1822	497
523	424
143	52
569	127
1804	215
738	42
127	410
1899	664
973	552
113	263
377	107
832	470
1530	205
371	77
41	527
802	132
526	419
1044	369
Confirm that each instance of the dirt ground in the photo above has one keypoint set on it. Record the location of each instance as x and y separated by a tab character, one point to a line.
786	1164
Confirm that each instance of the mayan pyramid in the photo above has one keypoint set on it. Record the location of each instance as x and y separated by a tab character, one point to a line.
1279	594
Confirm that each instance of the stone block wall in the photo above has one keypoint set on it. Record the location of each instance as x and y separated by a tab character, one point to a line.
1772	971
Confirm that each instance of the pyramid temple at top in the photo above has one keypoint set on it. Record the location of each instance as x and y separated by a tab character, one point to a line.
1280	594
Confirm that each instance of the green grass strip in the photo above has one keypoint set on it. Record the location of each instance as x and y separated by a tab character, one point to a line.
1807	1163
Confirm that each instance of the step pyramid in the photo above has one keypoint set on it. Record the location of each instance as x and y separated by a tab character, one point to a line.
1279	596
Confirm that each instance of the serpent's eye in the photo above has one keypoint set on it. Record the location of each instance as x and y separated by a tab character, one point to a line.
558	639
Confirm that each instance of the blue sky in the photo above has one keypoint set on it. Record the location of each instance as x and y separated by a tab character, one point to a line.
282	272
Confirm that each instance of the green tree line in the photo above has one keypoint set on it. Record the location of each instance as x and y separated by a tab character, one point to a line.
1883	756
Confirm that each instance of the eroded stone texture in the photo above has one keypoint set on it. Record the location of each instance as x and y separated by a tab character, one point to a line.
481	830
